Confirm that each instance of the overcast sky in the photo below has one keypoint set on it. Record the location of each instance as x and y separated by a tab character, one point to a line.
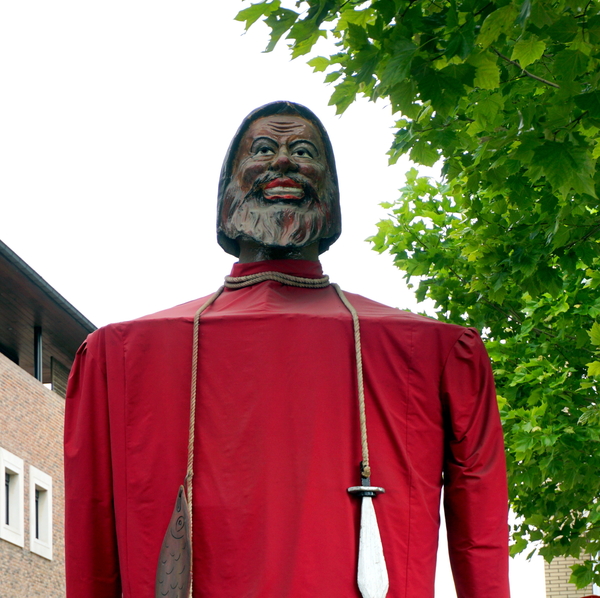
114	120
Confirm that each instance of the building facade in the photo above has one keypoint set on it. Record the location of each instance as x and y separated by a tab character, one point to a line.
31	538
39	335
557	574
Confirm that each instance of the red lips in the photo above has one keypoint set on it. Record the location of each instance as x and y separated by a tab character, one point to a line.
282	183
283	189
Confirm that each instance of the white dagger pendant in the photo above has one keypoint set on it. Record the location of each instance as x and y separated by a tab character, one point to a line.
372	576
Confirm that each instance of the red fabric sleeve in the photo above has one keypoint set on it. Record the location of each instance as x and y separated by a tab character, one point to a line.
92	566
475	491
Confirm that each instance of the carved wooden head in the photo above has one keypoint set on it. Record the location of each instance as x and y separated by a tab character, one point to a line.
278	183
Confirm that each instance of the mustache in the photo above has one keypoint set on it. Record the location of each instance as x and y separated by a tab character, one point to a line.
256	191
278	223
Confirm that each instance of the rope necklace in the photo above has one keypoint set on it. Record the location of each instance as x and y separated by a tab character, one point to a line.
233	283
239	282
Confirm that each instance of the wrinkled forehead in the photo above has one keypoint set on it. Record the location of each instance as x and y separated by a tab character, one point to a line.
282	129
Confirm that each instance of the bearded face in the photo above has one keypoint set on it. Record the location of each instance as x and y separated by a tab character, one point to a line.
281	193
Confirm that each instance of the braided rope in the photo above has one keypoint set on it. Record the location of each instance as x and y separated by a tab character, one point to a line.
238	282
245	281
190	465
364	443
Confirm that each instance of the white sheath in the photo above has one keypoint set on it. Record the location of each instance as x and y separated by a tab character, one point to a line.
372	576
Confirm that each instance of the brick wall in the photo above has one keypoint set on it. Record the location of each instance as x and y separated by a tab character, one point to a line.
31	424
557	575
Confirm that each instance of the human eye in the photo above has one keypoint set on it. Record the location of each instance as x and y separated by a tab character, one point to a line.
262	148
304	150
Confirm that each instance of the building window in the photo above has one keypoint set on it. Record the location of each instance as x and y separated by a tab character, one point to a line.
7	498
40	512
11	500
60	376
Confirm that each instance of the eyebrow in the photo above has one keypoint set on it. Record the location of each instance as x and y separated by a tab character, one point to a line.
263	138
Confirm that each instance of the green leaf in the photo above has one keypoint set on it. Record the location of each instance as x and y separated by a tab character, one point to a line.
519	546
540	16
441	89
460	44
402	97
594	369
582	575
593	29
365	63
487	73
344	95
331	77
387	9
305	45
318	11
319	63
464	73
498	22
487	110
356	36
595	334
528	50
255	11
564	30
590	102
302	30
398	67
423	153
568	64
559	161
584	183
279	22
356	17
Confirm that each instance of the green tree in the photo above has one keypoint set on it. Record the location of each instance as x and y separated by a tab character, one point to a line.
504	94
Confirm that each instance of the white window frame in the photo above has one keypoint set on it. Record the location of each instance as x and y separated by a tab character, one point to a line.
14	532
38	480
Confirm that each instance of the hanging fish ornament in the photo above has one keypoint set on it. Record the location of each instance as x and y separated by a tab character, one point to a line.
173	577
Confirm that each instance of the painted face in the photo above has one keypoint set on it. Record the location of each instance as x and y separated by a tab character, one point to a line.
280	194
273	151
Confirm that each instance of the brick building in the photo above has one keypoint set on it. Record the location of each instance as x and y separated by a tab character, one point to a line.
39	336
557	574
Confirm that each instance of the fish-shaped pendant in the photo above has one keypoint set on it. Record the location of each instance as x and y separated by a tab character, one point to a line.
173	574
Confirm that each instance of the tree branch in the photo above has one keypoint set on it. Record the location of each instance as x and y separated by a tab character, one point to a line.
482	9
585	237
545	81
410	3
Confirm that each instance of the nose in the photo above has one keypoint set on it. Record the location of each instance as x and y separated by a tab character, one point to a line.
282	161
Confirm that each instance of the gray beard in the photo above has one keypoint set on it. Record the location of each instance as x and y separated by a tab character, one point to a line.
278	224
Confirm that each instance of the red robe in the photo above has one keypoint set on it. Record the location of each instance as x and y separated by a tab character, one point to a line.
277	445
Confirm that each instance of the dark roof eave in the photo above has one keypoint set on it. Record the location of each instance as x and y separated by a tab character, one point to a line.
37	280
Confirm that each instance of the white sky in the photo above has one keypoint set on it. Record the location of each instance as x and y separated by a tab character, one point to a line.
114	120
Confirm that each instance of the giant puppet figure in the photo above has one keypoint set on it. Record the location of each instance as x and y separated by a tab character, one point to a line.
277	437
